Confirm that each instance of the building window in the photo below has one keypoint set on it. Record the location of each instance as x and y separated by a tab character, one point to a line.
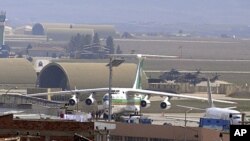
158	139
115	138
135	139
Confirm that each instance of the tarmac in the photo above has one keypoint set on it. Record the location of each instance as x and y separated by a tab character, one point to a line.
192	119
176	119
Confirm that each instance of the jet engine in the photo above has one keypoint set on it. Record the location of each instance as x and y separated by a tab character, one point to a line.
90	100
145	103
73	100
165	105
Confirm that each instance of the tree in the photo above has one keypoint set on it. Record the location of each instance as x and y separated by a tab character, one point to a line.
126	35
27	48
87	39
118	50
110	44
75	43
78	43
96	39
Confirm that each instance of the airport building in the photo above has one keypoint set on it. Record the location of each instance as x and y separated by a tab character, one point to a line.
51	129
145	132
66	130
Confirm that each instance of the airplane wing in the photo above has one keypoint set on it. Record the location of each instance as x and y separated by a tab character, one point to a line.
71	92
142	55
149	92
35	98
129	91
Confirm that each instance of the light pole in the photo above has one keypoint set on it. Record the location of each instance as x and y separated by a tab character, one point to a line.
186	122
180	47
186	116
112	63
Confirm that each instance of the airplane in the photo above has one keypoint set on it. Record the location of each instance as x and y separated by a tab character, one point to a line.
213	112
228	113
129	100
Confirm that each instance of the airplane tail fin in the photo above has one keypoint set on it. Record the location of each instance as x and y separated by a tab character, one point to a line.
209	92
141	57
138	77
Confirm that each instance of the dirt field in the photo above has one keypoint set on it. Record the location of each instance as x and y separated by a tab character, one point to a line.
196	48
231	55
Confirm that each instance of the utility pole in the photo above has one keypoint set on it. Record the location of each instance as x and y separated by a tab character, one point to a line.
112	63
110	86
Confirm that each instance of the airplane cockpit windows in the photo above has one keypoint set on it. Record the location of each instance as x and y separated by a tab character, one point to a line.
236	117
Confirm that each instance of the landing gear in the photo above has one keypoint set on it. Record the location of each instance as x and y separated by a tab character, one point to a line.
136	113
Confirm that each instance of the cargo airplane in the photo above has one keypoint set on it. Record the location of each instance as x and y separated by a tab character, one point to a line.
126	99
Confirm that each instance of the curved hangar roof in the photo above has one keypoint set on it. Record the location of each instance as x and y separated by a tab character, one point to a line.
18	72
86	75
64	31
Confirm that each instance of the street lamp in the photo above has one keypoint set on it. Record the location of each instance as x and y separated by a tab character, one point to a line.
186	116
112	63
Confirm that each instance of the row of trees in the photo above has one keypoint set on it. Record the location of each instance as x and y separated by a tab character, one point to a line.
82	43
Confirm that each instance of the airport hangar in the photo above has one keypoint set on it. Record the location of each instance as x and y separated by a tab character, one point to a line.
64	31
20	73
16	72
87	75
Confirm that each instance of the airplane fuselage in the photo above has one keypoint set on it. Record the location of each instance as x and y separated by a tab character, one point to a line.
122	102
224	113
